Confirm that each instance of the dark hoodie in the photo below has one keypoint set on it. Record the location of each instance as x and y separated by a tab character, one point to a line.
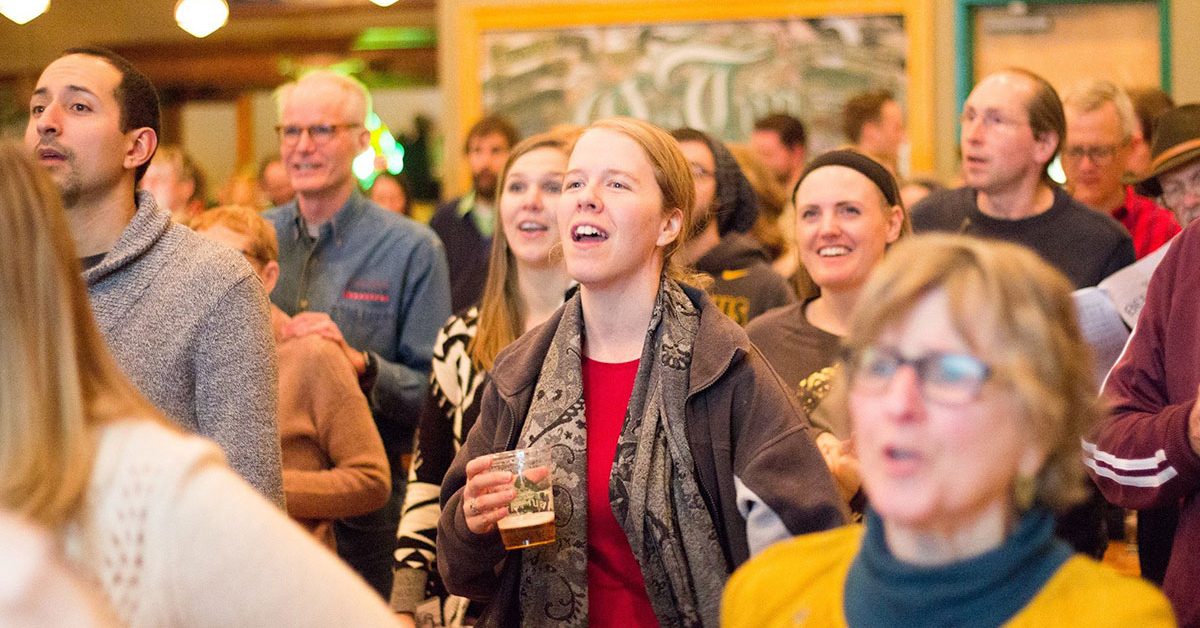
744	285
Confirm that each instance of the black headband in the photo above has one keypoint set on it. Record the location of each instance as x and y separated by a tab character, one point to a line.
860	163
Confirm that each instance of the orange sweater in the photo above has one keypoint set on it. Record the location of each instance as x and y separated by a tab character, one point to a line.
334	465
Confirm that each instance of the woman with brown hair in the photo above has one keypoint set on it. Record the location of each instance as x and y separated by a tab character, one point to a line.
525	285
153	516
677	452
969	388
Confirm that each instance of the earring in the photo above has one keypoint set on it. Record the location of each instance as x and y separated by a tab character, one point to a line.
1024	492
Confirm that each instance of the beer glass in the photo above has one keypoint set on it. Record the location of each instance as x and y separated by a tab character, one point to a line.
530	520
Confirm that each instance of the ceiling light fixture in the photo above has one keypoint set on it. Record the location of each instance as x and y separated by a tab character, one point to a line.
21	11
385	3
201	17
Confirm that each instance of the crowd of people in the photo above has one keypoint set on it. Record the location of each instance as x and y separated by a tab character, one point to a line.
778	388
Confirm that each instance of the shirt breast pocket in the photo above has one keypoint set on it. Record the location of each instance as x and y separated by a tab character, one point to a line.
366	327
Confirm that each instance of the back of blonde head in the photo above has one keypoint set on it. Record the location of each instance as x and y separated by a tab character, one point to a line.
1016	313
57	379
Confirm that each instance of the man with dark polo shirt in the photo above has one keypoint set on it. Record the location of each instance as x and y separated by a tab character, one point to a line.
370	280
1012	124
465	224
186	319
1101	133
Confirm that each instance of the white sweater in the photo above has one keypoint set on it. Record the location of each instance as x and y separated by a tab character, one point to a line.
174	538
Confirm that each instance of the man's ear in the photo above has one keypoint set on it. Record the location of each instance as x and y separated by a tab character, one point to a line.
143	143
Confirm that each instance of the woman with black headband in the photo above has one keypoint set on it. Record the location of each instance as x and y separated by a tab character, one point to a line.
848	212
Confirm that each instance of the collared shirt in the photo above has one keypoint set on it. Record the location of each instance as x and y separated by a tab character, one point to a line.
382	278
1150	224
484	219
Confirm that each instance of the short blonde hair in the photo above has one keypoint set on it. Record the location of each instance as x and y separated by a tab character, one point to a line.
264	246
57	378
1090	94
1016	313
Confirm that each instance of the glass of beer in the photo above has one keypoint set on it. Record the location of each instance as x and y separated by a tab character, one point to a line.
530	520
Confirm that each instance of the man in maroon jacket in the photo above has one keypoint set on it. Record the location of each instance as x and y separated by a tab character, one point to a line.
1147	454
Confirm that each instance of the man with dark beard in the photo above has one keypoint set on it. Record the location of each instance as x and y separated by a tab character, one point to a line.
465	224
744	285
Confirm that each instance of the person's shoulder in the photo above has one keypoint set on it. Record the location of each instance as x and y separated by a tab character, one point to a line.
943	210
791	575
149	446
1096	595
771	323
205	263
1086	221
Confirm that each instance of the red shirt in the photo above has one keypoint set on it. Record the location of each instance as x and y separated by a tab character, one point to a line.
1150	225
616	592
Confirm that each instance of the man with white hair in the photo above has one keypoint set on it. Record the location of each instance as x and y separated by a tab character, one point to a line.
1101	134
368	279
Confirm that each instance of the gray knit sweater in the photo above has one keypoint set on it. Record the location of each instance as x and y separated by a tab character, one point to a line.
188	322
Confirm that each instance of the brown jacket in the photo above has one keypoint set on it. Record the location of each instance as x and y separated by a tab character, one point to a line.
334	465
743	427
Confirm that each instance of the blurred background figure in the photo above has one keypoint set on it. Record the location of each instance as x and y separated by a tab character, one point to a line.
1102	130
275	182
969	388
781	141
334	465
720	245
390	191
176	182
153	516
242	189
1148	103
913	190
465	224
873	123
776	237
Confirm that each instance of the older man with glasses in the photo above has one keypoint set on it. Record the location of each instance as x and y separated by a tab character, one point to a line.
368	279
1101	133
1012	127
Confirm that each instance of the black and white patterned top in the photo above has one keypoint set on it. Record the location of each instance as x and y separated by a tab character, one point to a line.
448	414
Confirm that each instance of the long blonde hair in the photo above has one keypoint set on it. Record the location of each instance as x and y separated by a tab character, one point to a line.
502	309
57	379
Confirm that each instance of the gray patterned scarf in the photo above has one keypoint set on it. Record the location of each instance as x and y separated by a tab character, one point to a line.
653	489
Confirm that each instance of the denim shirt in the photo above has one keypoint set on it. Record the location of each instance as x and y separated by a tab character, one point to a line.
382	278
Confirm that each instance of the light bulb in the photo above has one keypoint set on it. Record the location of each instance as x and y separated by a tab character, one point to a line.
201	17
384	3
21	11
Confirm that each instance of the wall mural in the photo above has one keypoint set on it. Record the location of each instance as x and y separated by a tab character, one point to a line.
718	77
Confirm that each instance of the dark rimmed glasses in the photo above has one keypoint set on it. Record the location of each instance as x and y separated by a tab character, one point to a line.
946	378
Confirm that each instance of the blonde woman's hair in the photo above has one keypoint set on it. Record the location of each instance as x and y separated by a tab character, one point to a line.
502	310
57	379
673	174
1015	312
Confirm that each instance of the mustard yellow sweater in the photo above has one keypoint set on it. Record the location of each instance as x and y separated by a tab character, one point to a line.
800	582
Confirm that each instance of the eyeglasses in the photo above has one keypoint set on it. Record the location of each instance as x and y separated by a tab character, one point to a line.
1174	190
319	133
990	119
1100	155
946	378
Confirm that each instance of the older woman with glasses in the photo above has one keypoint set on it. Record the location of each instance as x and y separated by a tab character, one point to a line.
968	390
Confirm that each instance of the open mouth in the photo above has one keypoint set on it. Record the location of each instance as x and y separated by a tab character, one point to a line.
833	251
588	233
528	226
